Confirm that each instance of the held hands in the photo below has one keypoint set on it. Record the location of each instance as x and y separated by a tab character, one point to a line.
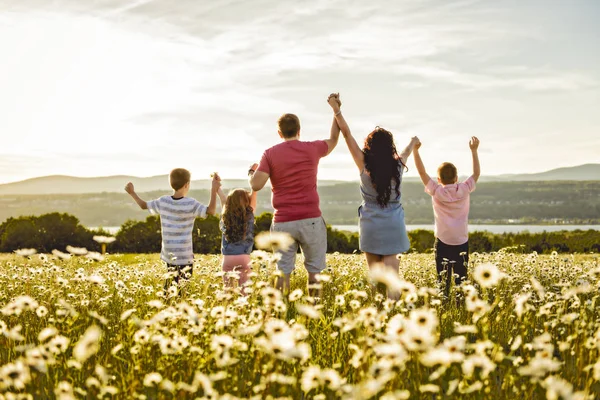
416	142
216	181
334	101
129	188
474	143
252	169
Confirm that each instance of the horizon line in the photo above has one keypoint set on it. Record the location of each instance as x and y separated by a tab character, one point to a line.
226	178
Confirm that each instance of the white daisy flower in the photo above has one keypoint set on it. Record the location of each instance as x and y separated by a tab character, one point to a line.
274	240
93	255
331	378
429	388
381	273
25	252
77	251
424	318
47	333
88	344
64	391
15	375
104	239
487	275
152	379
296	295
310	311
61	255
310	378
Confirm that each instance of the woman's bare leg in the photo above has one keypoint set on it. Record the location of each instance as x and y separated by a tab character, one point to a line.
372	261
392	262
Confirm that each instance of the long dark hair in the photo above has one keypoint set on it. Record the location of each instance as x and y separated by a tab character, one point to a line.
381	162
236	215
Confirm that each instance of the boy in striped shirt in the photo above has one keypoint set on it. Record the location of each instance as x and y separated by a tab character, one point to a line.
177	216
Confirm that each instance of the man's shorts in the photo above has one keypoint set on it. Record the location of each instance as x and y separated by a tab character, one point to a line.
311	235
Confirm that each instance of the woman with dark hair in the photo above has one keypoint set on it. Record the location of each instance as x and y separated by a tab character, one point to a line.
381	216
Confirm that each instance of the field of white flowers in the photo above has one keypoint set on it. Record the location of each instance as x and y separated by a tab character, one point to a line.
527	327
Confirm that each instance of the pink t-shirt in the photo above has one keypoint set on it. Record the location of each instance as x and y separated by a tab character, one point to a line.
292	167
451	210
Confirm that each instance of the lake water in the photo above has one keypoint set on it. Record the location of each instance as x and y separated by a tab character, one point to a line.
493	228
472	228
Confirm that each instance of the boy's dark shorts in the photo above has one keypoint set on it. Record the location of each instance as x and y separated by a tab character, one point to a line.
454	257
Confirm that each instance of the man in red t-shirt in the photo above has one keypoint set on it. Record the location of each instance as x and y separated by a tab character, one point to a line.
292	167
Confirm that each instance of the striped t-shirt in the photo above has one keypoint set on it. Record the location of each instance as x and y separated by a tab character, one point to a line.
177	218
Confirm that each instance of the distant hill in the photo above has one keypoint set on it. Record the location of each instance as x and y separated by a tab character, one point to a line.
61	184
585	172
549	202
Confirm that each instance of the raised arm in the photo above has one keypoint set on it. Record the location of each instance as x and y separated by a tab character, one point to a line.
334	135
131	190
212	204
253	200
257	179
336	106
220	193
355	150
357	154
474	145
409	149
222	197
419	164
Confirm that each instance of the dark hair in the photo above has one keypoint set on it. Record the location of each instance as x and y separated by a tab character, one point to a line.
236	215
179	177
447	173
289	125
381	162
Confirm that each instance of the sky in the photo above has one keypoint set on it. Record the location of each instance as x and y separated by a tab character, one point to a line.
138	87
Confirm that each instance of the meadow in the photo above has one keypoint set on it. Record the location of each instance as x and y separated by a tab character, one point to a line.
526	326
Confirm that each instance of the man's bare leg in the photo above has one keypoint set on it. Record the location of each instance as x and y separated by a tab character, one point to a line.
283	283
312	280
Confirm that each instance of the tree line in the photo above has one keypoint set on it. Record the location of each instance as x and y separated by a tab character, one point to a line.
58	230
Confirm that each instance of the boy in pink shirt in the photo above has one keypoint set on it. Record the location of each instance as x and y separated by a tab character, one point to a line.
451	211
